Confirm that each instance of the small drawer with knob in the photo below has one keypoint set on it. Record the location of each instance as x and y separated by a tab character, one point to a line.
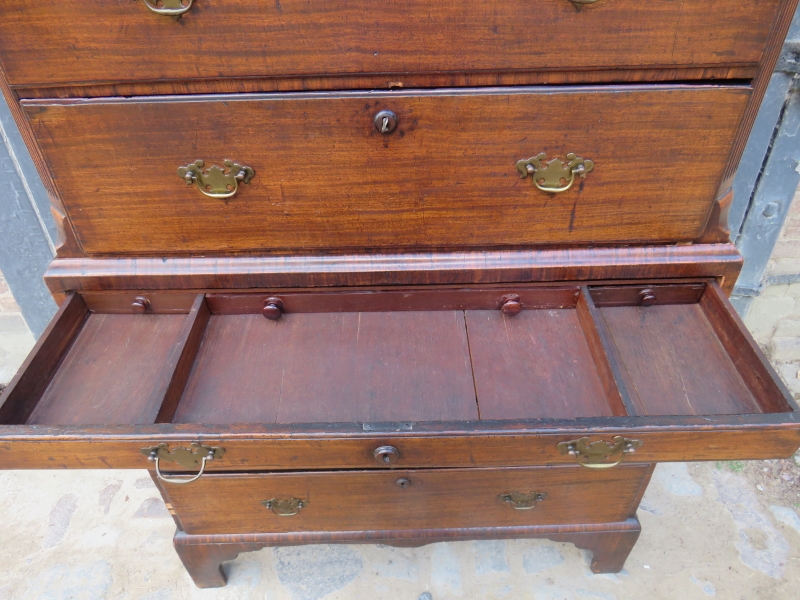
406	499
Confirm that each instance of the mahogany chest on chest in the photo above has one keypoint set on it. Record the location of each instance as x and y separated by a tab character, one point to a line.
461	265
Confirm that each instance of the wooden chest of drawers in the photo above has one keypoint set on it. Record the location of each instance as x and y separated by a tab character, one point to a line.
463	265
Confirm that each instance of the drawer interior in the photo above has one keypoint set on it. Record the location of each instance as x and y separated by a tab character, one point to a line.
411	355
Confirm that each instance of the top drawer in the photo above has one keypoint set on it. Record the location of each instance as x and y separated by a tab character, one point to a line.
95	41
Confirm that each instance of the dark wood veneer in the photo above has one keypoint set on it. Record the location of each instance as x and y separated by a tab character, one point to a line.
203	555
242	38
327	179
392	269
432	498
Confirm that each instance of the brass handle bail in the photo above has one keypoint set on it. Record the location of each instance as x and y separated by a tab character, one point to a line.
169	8
216	182
584	2
599	454
554	176
188	458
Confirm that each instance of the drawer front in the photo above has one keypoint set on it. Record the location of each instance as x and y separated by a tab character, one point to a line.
115	40
418	499
321	175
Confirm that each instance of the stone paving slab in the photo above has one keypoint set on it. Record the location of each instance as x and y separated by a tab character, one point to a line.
106	534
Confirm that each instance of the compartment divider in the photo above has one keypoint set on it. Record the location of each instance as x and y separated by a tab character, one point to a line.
754	369
24	392
610	367
183	357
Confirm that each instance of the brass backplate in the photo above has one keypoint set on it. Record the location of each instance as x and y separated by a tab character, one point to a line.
189	458
216	182
555	175
522	500
587	452
285	507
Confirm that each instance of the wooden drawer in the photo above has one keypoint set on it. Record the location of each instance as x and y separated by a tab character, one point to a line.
410	378
100	41
419	499
446	177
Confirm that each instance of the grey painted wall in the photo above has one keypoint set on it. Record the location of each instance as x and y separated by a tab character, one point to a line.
27	228
768	174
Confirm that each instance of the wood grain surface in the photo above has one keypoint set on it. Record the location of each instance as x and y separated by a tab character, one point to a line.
536	364
203	555
20	396
321	390
754	368
287	447
676	363
326	178
432	298
116	372
332	367
392	81
721	261
113	41
431	499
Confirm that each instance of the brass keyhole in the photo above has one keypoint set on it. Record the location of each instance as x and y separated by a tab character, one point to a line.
386	454
385	121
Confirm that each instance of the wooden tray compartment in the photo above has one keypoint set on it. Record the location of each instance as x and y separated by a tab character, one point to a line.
408	356
442	374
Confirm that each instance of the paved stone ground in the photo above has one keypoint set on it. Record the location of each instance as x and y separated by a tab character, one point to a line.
708	531
725	530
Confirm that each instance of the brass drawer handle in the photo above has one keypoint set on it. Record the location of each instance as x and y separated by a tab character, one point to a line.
584	2
522	501
189	458
554	176
172	8
216	182
594	455
285	508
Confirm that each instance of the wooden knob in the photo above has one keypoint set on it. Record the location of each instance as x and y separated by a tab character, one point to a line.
647	297
511	305
140	304
273	308
386	455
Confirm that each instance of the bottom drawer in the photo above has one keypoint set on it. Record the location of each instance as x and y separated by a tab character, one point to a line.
406	499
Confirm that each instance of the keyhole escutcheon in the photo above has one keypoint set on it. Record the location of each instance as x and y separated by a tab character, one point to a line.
385	121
